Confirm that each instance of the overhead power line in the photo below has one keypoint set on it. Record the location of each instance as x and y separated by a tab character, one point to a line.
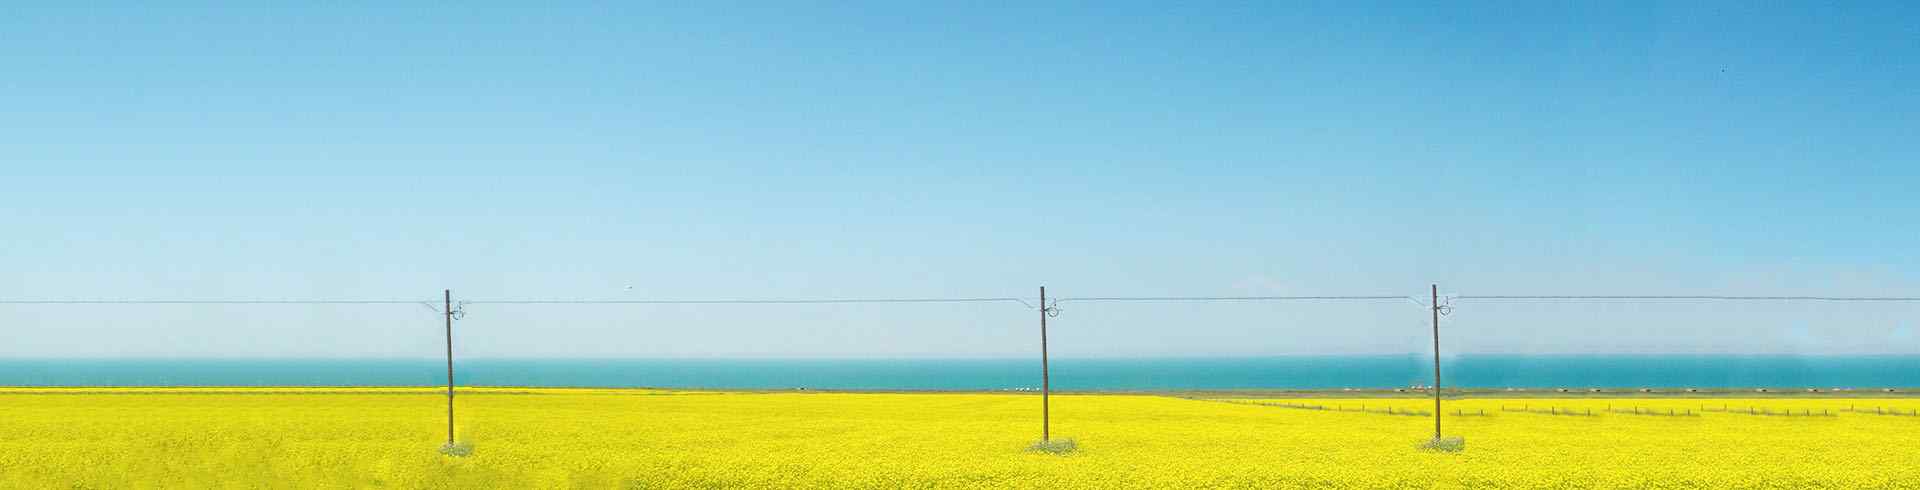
208	302
1232	298
734	301
1698	296
1023	301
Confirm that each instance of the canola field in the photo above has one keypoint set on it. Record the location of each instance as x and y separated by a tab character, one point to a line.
556	438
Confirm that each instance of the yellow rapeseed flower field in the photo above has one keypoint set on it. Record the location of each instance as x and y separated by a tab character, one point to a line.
548	438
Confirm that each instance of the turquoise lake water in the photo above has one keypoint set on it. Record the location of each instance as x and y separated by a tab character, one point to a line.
998	374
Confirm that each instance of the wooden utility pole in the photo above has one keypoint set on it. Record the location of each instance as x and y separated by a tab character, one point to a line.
448	311
1436	361
1046	425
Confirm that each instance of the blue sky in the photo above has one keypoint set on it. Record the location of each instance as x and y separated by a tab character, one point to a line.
903	150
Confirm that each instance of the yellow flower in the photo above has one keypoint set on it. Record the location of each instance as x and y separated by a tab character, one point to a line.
558	438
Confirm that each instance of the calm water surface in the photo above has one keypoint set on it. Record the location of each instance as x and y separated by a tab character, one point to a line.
996	374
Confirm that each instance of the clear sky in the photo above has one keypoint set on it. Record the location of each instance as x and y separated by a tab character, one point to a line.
901	149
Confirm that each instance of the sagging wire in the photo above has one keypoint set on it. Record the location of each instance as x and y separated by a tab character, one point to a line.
459	309
1689	298
203	302
1053	309
1445	306
1233	298
740	301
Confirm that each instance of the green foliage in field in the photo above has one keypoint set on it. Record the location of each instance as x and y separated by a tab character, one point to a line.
1445	444
1055	446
